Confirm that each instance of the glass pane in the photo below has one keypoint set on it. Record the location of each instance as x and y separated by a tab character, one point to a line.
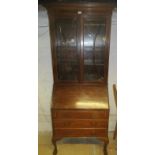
66	49
94	42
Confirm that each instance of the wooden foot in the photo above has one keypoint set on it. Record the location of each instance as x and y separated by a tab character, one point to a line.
115	133
105	142
105	149
55	147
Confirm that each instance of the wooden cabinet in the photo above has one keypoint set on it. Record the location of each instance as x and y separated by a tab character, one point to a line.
80	39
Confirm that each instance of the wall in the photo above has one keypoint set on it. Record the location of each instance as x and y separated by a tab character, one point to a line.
112	77
46	77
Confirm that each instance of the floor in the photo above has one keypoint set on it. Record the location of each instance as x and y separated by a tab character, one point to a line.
45	147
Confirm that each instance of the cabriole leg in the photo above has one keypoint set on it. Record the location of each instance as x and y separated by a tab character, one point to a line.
55	147
105	149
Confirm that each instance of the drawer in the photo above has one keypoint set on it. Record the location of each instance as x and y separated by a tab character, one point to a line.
80	123
80	114
80	132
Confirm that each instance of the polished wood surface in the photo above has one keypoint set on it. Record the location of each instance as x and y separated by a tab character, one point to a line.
72	60
80	106
80	111
80	123
82	132
84	114
80	97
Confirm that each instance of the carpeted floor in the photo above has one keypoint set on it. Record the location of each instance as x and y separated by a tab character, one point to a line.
74	146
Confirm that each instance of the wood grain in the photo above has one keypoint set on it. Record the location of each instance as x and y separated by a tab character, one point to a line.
86	132
80	114
80	108
80	123
80	97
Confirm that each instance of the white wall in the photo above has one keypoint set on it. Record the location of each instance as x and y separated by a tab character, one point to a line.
46	77
112	77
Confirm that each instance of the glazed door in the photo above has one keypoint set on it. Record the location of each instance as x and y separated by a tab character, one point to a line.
67	48
94	40
80	48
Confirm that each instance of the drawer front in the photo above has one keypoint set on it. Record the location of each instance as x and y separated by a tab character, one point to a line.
80	132
80	114
80	123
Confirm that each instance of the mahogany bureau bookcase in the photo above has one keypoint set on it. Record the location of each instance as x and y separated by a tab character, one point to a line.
80	40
